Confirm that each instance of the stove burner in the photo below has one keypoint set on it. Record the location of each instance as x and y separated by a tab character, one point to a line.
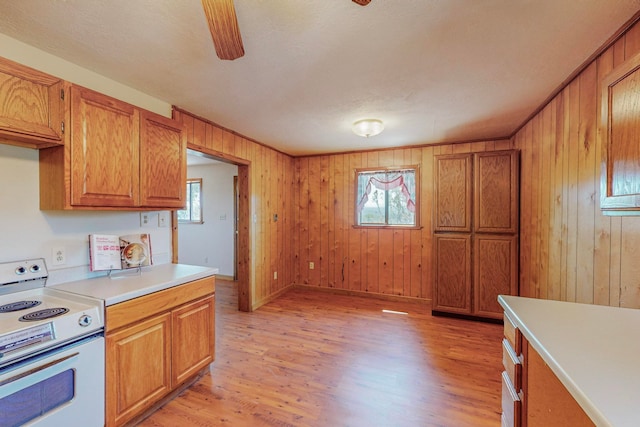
17	306
43	314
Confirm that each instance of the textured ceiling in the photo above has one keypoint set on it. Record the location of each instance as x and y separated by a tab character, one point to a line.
432	70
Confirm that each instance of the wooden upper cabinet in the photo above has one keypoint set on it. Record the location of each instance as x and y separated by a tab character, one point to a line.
31	107
620	131
104	150
496	192
453	188
116	157
163	162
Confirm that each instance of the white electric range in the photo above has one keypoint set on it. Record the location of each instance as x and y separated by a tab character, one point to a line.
51	351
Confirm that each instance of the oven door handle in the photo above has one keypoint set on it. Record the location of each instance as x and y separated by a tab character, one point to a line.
38	369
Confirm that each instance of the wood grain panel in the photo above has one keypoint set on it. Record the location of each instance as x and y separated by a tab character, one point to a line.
452	273
163	162
31	106
193	333
496	192
495	272
134	310
150	341
268	183
549	404
453	193
104	149
590	257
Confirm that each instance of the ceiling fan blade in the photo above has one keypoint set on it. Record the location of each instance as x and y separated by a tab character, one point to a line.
362	2
223	24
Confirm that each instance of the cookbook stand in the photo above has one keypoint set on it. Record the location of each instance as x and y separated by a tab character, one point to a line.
120	274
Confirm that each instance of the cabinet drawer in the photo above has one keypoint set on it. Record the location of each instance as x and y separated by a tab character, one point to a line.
127	312
511	404
512	334
512	364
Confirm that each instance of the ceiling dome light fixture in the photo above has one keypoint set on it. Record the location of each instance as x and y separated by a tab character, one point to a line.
367	127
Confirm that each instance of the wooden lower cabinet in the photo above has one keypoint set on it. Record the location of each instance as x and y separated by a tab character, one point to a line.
470	271
154	345
193	339
532	395
138	368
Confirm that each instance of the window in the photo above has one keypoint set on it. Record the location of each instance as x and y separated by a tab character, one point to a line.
387	197
193	211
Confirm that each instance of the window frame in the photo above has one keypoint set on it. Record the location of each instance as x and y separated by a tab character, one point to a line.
189	203
416	226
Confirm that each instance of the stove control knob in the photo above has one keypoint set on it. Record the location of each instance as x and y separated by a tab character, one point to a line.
21	270
85	320
34	268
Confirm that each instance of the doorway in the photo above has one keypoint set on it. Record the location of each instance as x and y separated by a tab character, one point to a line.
225	222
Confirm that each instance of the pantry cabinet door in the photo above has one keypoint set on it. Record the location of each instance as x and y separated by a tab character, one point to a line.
453	188
495	272
163	162
452	273
495	192
104	150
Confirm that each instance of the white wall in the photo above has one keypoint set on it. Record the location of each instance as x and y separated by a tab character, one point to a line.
211	243
27	232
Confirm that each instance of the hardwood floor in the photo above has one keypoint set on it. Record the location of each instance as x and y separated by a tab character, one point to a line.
317	359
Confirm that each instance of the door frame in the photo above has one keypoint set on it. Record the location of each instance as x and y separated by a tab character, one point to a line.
243	260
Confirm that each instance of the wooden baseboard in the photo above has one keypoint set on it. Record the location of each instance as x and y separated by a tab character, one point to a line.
384	297
270	298
223	277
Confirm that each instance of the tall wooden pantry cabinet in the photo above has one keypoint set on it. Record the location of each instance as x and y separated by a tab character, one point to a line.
475	232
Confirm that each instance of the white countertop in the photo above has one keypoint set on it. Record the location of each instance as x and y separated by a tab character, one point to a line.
124	285
594	351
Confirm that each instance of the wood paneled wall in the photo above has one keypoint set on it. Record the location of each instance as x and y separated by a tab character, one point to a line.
376	261
271	183
569	251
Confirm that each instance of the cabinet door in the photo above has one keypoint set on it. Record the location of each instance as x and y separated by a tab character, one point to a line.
163	162
495	272
620	129
104	151
193	339
453	186
138	368
31	106
496	192
452	281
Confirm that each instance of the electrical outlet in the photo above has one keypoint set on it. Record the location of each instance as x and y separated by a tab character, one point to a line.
275	275
145	219
311	265
58	255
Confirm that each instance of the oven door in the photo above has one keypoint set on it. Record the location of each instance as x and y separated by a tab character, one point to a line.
64	387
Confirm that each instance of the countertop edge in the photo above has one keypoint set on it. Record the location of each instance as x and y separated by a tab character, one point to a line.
156	288
119	288
585	403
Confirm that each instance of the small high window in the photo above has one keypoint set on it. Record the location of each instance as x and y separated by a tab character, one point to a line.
387	197
193	211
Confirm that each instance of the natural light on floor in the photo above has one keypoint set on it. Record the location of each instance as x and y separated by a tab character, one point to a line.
394	312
